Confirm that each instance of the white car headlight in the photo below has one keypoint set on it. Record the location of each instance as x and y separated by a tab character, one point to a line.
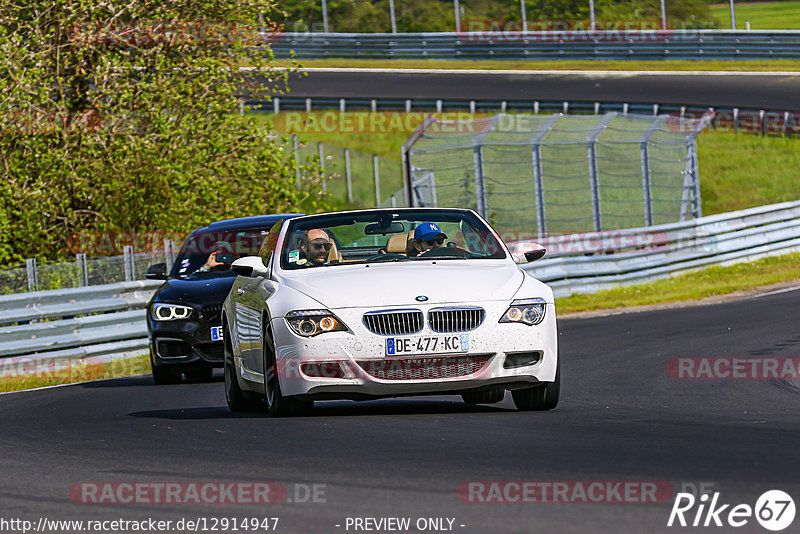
170	312
525	311
308	323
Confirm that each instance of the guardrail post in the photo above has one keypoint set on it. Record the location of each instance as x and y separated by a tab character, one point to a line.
408	105
308	105
33	274
347	174
127	261
377	174
321	153
80	260
276	105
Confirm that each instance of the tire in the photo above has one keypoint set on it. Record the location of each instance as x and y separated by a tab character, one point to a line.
237	401
489	396
277	405
163	375
541	397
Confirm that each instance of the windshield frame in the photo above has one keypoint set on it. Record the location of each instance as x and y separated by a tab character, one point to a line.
282	264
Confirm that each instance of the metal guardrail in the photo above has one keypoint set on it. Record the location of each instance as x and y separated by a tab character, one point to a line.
731	119
547	45
99	323
668	249
41	330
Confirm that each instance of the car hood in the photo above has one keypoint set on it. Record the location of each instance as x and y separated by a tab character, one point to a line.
377	284
211	290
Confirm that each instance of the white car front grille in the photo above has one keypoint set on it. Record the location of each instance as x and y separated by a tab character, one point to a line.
394	322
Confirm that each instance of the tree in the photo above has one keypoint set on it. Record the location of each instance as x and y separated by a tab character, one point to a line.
123	116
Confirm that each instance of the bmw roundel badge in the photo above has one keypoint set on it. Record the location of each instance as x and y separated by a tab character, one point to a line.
421	298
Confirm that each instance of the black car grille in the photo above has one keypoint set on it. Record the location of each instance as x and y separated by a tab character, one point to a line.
211	314
394	322
455	319
213	352
424	368
172	348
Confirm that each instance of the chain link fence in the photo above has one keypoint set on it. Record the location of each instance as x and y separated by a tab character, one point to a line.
84	271
351	177
559	174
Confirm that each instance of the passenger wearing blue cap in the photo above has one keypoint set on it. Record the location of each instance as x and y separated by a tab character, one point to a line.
428	236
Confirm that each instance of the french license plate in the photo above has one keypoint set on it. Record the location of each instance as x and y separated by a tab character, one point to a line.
401	346
216	333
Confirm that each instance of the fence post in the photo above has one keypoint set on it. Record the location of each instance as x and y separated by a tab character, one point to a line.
480	176
594	178
296	159
646	194
321	153
33	274
80	259
644	150
127	260
347	173
169	253
376	171
480	181
538	180
697	209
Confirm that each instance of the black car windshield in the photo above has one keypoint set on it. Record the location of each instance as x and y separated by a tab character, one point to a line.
211	252
388	236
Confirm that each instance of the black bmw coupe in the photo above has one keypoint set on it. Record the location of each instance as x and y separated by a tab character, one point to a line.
183	317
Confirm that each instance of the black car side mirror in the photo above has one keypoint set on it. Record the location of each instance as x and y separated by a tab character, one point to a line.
157	272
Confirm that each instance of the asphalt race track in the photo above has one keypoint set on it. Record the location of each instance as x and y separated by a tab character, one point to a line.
752	91
622	418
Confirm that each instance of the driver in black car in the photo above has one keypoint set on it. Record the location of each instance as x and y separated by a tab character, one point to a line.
225	253
428	236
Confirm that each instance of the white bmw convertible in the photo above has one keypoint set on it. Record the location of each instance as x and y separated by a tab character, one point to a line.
385	303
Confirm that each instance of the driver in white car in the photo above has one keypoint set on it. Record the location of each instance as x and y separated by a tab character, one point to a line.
315	244
428	236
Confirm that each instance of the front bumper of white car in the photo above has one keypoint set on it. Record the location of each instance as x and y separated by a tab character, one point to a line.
355	364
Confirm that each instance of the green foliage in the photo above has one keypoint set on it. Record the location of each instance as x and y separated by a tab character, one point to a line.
116	116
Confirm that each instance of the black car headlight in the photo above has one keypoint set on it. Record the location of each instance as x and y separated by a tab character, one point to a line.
170	312
308	323
525	311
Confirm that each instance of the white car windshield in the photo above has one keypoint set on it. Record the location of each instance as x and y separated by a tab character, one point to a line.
388	236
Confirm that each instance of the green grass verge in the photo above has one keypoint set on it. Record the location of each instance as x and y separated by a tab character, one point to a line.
627	65
740	171
784	15
78	373
690	286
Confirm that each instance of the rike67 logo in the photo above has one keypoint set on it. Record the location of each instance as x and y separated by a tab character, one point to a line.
774	510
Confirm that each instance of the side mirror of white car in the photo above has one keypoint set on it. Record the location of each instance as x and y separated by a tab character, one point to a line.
251	266
532	255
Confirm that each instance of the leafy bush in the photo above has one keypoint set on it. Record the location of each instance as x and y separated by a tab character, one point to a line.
121	116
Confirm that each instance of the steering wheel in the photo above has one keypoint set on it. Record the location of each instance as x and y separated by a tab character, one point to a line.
385	257
444	251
